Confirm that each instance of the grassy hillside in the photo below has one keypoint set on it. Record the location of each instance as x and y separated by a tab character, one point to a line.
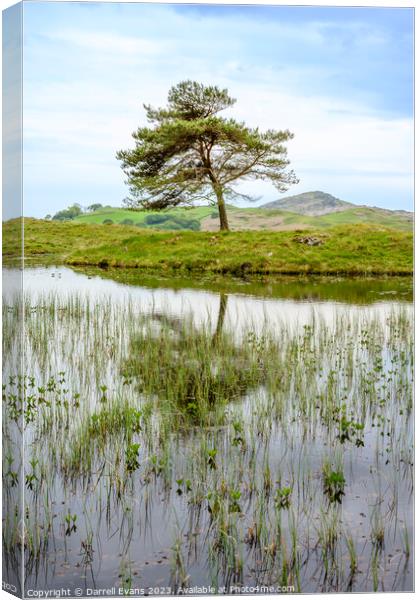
55	240
345	249
375	216
258	219
118	215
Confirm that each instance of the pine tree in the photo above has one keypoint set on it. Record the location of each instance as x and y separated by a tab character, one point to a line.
190	154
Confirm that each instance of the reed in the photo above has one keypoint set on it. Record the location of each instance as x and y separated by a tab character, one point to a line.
258	440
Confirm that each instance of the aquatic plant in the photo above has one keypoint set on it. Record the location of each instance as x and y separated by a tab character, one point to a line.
334	483
263	474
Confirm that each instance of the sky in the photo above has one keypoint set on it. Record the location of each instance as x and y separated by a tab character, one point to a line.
341	79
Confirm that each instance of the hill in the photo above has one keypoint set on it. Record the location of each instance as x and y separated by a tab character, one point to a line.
312	204
205	218
321	204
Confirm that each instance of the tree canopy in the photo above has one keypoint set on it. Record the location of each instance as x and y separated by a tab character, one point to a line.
189	153
68	214
95	206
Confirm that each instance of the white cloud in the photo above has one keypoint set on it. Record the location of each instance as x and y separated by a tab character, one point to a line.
109	42
331	135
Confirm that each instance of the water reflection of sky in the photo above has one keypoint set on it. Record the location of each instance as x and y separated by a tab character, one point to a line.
203	305
294	449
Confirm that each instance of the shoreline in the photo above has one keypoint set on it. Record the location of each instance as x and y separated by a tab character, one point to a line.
343	251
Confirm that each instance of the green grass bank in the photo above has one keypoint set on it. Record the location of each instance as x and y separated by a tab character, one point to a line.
346	249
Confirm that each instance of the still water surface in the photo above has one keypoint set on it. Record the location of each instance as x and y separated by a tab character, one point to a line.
177	519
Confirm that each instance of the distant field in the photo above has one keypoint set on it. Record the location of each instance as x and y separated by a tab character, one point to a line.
118	215
369	215
345	249
256	219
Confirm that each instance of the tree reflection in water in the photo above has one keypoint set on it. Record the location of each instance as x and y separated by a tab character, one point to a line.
193	369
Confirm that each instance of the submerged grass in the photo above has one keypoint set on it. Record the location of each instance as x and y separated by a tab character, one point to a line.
244	454
194	370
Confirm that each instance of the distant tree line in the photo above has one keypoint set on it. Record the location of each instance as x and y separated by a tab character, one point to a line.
158	221
73	211
167	222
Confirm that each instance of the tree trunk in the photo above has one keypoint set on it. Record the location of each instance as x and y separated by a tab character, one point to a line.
224	225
